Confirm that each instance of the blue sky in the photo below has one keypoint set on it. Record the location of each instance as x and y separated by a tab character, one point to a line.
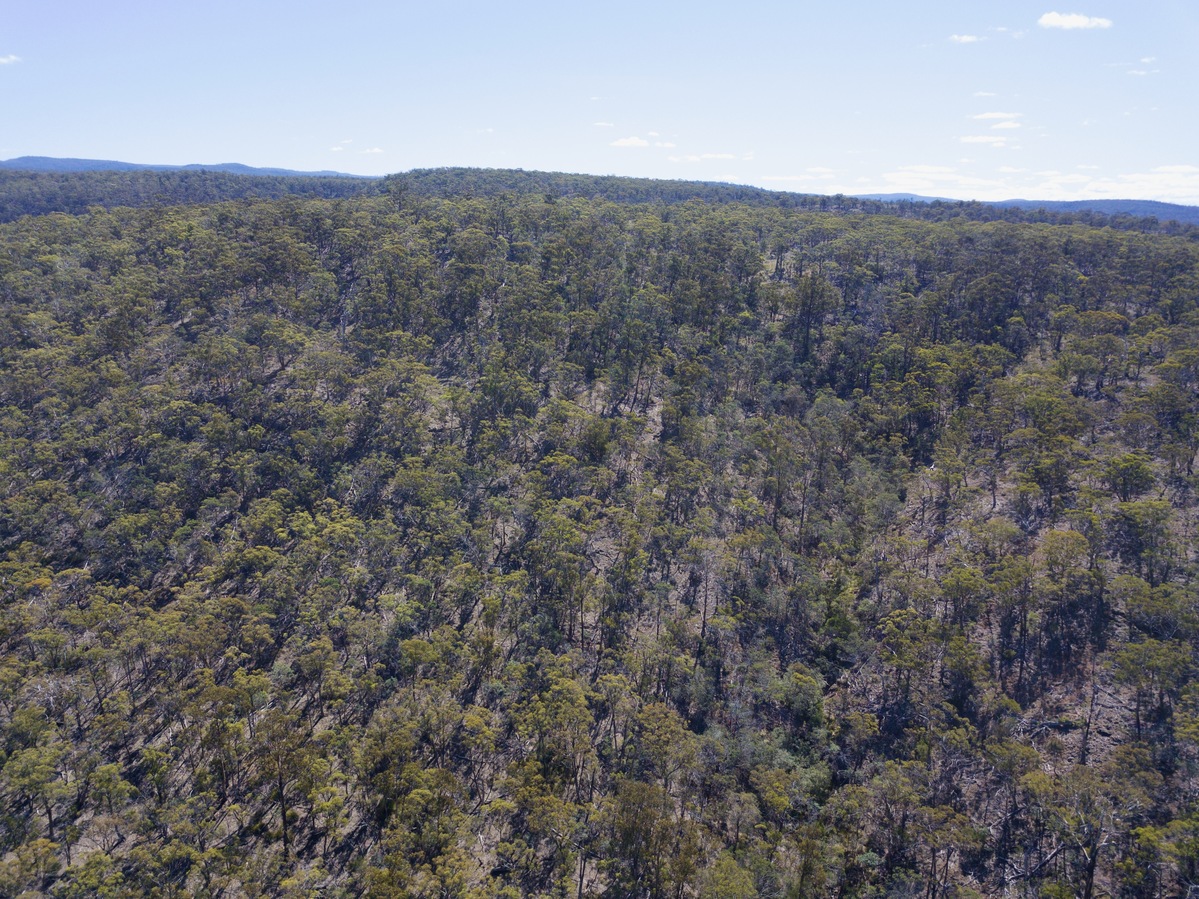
985	100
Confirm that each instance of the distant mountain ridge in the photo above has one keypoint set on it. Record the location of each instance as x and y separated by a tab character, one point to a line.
55	164
1155	208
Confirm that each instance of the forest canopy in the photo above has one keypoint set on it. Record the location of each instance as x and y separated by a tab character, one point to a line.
439	541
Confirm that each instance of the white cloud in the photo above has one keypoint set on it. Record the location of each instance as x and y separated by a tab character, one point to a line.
1173	183
1148	59
1071	21
938	179
997	115
985	94
812	174
372	150
1178	183
1008	124
653	134
336	149
983	139
965	38
630	142
825	183
1143	72
701	157
1168	183
9	60
664	143
603	125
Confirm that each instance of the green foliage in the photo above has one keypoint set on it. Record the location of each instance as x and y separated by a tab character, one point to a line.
506	535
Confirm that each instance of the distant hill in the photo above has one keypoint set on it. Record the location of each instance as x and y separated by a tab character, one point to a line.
27	192
455	182
905	198
1140	208
54	164
1164	211
35	185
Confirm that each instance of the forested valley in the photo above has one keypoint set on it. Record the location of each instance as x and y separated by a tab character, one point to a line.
447	540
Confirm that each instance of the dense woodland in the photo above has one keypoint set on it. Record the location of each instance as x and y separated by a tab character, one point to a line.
438	544
39	192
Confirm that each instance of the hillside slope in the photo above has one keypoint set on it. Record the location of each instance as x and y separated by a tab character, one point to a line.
527	545
46	185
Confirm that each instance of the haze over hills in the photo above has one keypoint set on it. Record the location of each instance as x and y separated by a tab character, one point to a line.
56	164
1165	211
1155	208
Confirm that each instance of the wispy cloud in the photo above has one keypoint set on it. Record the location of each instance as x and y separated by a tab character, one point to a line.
983	139
1143	72
812	174
940	180
1169	183
1072	21
630	142
701	157
927	170
985	94
1009	124
372	150
985	116
9	60
664	143
965	38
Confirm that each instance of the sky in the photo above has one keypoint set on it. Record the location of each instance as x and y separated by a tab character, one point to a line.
1048	100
